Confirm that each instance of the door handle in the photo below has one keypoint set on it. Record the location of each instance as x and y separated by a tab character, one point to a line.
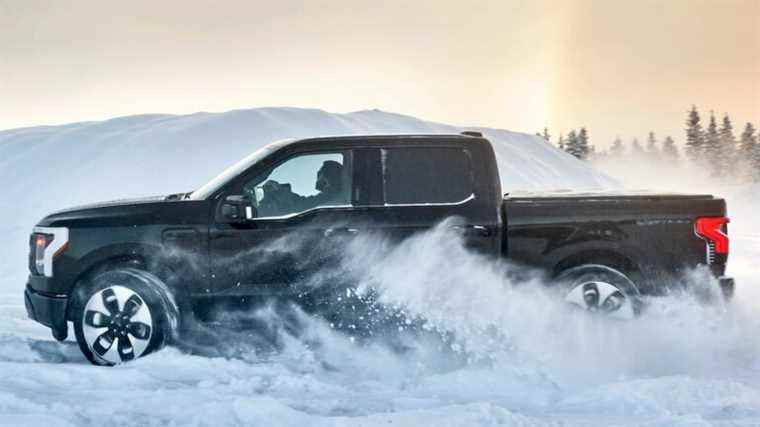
481	230
340	231
473	230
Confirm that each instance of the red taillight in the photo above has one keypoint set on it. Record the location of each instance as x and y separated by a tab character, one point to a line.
713	229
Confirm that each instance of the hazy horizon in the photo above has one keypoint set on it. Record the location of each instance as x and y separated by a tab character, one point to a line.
614	67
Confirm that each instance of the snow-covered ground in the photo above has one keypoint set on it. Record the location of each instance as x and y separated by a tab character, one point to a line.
515	359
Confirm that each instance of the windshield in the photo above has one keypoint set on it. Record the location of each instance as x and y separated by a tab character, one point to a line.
231	172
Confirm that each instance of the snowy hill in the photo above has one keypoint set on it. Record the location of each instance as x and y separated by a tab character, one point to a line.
155	154
52	167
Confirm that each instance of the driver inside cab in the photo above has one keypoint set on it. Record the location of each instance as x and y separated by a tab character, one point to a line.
279	199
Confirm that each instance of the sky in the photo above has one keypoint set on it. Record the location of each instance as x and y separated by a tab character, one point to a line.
617	67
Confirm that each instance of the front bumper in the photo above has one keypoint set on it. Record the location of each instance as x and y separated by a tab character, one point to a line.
49	310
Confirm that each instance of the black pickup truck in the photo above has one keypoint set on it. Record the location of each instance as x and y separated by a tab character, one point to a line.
126	273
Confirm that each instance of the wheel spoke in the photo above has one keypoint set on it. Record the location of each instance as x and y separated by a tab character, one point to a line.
132	305
139	330
96	319
575	297
126	352
110	301
613	302
103	343
606	292
591	295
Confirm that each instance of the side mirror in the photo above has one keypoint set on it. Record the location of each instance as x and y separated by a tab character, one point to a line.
238	208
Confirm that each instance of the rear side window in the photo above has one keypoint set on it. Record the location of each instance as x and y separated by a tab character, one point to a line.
426	175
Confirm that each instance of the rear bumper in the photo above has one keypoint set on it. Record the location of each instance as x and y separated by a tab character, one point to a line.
727	285
49	310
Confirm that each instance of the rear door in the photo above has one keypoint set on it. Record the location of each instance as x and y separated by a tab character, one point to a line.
423	185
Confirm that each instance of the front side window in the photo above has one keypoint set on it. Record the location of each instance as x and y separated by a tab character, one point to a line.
301	183
426	175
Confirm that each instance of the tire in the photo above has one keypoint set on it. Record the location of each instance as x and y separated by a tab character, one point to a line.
121	315
600	290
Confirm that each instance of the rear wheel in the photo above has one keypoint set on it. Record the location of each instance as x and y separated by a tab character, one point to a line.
602	291
121	315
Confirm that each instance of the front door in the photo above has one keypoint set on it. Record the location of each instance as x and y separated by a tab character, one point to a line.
304	211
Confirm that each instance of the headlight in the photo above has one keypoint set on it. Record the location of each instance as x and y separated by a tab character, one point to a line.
45	244
40	242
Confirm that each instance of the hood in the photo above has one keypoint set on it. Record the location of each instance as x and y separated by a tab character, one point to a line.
123	212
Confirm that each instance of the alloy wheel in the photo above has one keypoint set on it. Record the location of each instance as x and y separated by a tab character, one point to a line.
601	298
117	324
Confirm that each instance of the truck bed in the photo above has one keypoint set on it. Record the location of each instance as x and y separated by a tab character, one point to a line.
637	205
653	233
558	195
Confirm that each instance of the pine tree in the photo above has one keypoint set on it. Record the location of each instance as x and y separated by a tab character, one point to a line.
584	147
749	150
669	150
756	157
712	148
694	135
636	148
546	135
561	142
571	147
617	149
727	146
748	141
652	148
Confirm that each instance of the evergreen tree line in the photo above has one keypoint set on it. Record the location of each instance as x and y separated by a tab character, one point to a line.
718	148
715	147
665	151
577	143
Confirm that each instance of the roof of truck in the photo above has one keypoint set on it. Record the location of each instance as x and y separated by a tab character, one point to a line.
215	184
411	138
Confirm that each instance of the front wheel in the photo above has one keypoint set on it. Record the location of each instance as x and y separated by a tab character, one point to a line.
121	315
601	291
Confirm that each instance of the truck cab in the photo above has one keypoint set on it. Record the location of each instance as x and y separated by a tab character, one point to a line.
321	190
